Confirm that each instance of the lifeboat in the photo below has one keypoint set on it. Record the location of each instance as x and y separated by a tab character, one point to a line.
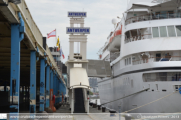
115	41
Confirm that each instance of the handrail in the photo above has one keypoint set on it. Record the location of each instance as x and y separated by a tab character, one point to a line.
155	57
79	85
127	96
138	36
152	16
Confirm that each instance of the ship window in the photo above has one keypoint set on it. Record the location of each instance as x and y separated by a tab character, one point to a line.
129	60
155	32
178	29
163	31
171	31
162	76
132	83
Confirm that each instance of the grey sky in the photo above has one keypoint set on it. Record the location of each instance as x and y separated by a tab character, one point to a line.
52	14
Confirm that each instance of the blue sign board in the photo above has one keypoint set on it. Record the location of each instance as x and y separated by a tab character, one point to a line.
77	14
78	30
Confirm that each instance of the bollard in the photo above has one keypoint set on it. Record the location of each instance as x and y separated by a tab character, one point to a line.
112	112
91	103
103	109
94	105
127	117
119	107
99	107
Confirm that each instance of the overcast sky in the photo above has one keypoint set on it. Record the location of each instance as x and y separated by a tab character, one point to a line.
52	14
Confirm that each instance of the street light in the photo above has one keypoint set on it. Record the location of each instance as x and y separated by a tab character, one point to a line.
15	1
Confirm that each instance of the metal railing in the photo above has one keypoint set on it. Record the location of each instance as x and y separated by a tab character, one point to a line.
113	56
138	37
148	17
156	59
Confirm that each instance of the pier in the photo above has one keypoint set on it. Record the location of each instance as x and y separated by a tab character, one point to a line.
28	71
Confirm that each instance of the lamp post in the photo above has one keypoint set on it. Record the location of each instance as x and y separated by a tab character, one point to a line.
119	107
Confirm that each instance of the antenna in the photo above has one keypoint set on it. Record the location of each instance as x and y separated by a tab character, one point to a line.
114	22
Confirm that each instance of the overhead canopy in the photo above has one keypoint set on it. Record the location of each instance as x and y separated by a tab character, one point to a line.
78	78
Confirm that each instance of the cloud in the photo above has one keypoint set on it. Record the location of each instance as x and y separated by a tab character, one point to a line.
52	14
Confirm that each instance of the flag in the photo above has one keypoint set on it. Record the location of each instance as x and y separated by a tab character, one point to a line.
59	46
52	34
61	53
58	42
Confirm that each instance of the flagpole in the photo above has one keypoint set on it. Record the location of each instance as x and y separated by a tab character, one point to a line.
56	43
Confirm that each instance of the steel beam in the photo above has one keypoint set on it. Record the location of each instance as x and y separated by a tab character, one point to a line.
42	84
47	86
17	35
33	82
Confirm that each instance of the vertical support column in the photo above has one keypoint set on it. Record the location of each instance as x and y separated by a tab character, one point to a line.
5	86
59	90
71	47
17	35
33	82
54	87
42	84
23	92
51	90
47	85
72	108
84	50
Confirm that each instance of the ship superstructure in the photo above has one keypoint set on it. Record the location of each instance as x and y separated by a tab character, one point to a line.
145	54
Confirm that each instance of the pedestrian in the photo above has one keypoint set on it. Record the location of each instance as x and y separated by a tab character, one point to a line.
65	99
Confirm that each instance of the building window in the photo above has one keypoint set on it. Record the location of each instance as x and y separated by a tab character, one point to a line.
171	31
163	31
125	62
178	29
155	32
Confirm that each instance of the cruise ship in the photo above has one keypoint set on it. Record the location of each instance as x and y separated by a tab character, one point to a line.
144	51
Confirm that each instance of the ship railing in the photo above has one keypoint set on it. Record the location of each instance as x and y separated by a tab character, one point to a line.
156	59
138	37
148	17
114	56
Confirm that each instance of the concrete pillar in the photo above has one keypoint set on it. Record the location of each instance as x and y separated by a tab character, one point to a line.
71	25
80	48
47	86
84	50
71	49
17	35
42	84
33	82
82	25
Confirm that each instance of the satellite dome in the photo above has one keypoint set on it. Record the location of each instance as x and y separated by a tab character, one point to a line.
114	21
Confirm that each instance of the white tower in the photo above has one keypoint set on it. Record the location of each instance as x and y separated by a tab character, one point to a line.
77	63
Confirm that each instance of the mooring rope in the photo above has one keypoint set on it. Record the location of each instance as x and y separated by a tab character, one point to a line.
151	102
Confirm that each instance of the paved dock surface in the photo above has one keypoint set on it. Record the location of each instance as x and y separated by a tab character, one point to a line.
94	114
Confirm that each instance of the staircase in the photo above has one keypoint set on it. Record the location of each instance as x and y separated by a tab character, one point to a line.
79	101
